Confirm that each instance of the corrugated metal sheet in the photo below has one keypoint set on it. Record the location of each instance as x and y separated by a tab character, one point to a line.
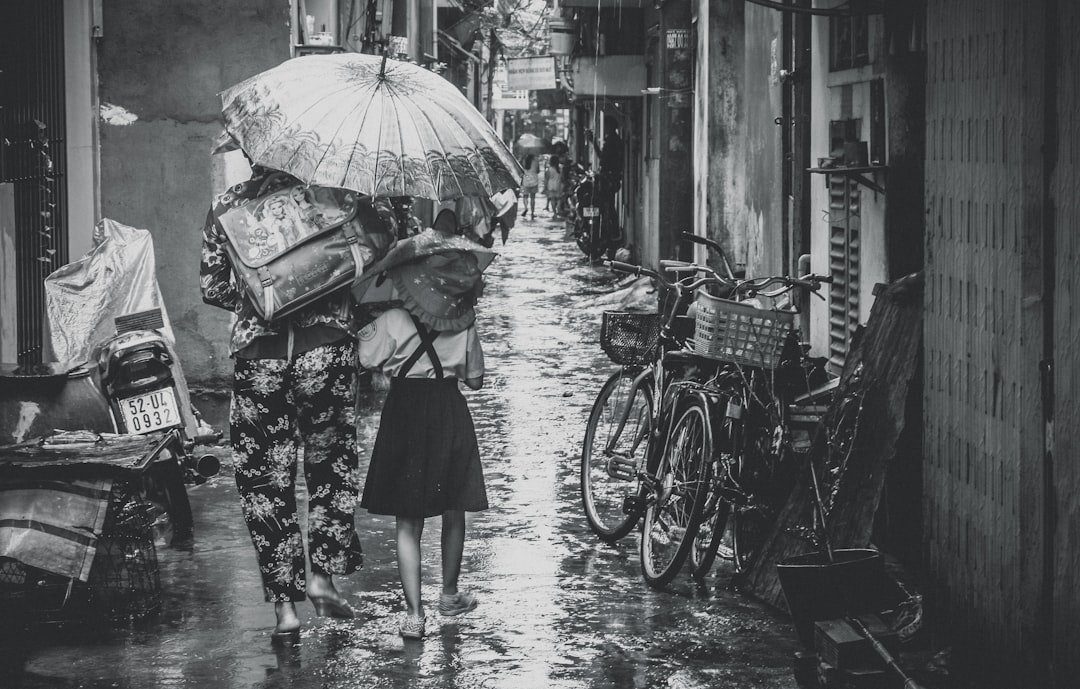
983	328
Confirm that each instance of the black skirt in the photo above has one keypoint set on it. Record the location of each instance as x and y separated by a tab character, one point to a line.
426	460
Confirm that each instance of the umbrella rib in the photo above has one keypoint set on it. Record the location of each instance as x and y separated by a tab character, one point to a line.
281	133
315	103
326	150
416	127
461	139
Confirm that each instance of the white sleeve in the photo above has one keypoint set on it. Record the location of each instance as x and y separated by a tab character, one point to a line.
474	354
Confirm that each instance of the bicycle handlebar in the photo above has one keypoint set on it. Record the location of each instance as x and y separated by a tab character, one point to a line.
682	284
809	282
715	246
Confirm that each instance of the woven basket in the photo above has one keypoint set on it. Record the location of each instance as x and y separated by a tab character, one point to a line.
740	333
630	339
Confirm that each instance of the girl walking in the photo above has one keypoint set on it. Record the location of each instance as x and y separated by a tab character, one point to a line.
426	462
530	184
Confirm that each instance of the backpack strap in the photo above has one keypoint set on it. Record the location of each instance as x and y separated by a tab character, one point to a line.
427	345
352	238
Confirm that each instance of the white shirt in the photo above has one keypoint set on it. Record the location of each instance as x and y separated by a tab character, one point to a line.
389	341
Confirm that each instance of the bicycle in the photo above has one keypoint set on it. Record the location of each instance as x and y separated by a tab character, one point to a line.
764	368
629	473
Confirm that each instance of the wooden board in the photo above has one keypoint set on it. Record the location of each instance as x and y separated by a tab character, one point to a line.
857	437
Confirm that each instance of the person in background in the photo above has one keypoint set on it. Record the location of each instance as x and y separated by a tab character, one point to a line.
294	378
609	175
530	184
553	185
505	212
426	461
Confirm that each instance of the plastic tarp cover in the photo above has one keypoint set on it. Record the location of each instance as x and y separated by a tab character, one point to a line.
53	525
117	276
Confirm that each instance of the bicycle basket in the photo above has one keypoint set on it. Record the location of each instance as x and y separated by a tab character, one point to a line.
630	339
740	333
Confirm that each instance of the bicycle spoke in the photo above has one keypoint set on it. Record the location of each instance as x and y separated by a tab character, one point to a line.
674	515
615	443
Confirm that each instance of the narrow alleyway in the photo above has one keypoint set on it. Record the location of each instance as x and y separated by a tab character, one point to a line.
557	608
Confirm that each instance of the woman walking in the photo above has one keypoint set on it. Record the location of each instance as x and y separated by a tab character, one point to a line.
426	461
530	184
294	377
553	185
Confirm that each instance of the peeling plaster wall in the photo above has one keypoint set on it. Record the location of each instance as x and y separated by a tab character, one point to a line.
164	62
743	161
762	196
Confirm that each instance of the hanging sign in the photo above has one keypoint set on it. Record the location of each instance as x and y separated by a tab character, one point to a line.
530	73
509	100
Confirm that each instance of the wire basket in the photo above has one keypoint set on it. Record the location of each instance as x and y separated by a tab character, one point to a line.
740	333
630	339
124	580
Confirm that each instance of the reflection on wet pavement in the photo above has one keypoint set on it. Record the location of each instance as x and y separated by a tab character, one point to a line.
557	608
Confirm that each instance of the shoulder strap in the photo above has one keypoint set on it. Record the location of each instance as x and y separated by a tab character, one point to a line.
427	340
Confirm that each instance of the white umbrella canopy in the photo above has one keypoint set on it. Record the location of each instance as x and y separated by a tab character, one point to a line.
363	122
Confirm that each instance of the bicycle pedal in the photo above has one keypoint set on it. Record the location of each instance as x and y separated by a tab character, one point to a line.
622	468
633	504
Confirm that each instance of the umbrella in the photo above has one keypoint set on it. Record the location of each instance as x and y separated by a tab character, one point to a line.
363	122
529	141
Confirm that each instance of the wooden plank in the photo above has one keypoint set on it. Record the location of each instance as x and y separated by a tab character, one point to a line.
1065	447
877	377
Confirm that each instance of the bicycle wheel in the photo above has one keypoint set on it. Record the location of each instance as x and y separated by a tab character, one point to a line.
675	508
616	442
717	515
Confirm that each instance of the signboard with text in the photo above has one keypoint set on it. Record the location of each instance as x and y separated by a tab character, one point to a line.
530	73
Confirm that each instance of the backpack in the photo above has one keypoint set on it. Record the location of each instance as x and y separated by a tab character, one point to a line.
299	243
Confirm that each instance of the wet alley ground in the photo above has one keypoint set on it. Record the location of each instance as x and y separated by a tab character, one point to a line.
557	608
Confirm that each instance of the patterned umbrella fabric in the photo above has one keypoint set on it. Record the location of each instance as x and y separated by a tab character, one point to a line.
362	122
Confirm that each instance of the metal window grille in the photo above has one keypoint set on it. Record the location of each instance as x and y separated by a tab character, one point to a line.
844	240
32	155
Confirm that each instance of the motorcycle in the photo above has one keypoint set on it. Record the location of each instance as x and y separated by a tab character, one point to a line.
591	229
137	373
130	390
102	438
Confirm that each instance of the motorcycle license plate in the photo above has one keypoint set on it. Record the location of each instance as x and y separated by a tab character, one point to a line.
590	212
150	411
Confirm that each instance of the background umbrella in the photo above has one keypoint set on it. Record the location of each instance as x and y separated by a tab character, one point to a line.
529	142
362	122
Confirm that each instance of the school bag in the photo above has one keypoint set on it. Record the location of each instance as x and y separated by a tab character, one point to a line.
297	244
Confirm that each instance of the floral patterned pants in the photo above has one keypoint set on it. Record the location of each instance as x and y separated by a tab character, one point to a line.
278	404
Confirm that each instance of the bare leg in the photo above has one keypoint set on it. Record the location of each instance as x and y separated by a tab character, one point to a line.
287	621
409	531
322	586
453	546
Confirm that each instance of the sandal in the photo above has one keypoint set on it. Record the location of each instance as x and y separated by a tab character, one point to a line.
328	607
451	604
412	627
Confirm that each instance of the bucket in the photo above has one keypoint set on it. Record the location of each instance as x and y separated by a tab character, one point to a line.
562	36
36	399
854	583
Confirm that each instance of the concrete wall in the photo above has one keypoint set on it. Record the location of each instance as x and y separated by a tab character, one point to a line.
741	167
761	210
164	62
723	162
